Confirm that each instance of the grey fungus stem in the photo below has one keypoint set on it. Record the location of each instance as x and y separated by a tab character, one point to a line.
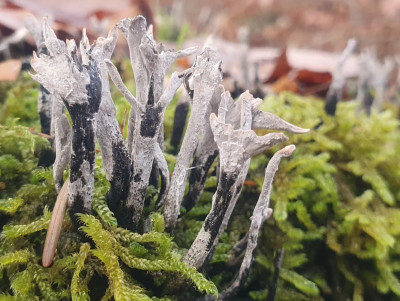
45	98
62	142
206	77
145	145
261	212
117	80
338	79
116	160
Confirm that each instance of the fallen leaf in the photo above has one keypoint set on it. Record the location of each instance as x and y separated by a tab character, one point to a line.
12	18
281	68
313	77
10	70
285	84
313	82
74	15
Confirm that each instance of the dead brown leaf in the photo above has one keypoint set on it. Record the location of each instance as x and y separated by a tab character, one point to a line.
285	84
281	68
309	77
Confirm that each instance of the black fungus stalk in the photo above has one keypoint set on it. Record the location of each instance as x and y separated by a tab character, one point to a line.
181	112
83	146
275	279
198	175
116	160
225	191
78	85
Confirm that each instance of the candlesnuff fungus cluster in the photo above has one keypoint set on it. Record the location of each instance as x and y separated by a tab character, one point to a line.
218	125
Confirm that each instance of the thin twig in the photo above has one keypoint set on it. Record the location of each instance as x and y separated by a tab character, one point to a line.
54	230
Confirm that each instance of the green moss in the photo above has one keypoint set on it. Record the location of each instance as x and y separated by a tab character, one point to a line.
20	103
19	156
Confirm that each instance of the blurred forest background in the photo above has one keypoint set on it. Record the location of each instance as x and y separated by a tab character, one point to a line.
313	31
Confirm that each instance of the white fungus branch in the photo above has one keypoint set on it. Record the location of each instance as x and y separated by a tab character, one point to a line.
206	77
260	214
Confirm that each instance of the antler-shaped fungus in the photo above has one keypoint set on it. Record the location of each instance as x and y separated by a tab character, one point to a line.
150	62
236	147
206	77
261	212
207	150
78	84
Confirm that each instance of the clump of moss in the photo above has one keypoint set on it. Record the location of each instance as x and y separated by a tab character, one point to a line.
19	155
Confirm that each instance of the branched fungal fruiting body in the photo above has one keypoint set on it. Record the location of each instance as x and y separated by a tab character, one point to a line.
206	77
236	147
207	150
218	125
116	160
260	214
78	84
150	62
